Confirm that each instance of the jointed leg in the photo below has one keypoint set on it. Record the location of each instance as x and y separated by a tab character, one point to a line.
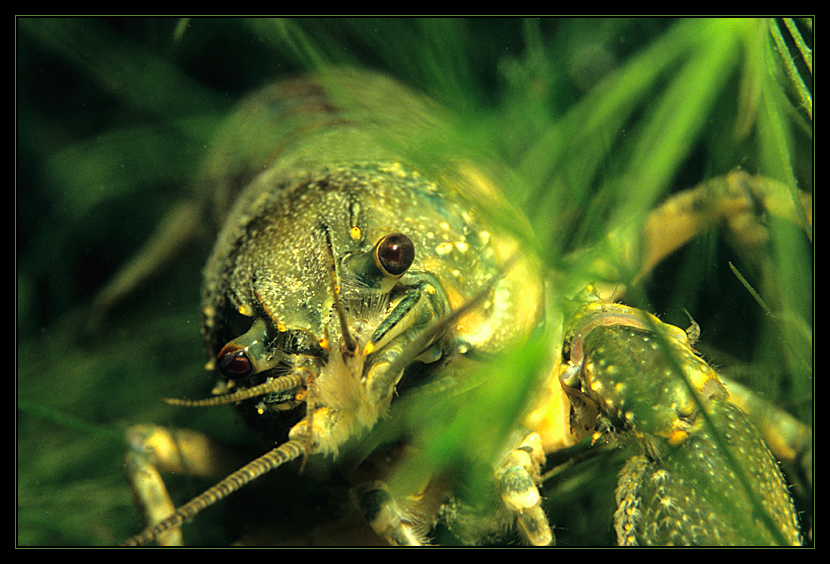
517	479
154	450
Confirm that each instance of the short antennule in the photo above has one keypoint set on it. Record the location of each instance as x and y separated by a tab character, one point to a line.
348	343
281	384
275	458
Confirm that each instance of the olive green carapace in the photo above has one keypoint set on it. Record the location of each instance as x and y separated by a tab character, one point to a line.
693	496
360	203
346	163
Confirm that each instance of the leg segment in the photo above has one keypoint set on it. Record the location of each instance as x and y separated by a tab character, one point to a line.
385	515
517	479
154	450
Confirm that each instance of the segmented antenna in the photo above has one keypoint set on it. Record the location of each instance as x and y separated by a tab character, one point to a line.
282	454
280	384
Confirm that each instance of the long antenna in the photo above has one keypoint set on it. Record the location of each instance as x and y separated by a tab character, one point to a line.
282	454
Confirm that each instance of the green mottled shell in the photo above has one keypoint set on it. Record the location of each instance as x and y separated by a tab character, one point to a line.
681	488
632	375
343	160
693	496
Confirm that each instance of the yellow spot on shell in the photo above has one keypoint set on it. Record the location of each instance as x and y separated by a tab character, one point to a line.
368	349
678	437
444	248
281	328
355	233
246	310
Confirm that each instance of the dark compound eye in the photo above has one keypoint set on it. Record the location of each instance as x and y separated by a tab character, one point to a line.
234	363
395	254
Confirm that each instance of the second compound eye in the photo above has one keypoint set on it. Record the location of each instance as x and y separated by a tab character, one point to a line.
248	354
233	363
395	254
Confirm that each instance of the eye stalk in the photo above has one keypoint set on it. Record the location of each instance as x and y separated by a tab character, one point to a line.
388	260
247	354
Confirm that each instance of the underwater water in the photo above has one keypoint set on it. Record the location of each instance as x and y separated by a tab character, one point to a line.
599	118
